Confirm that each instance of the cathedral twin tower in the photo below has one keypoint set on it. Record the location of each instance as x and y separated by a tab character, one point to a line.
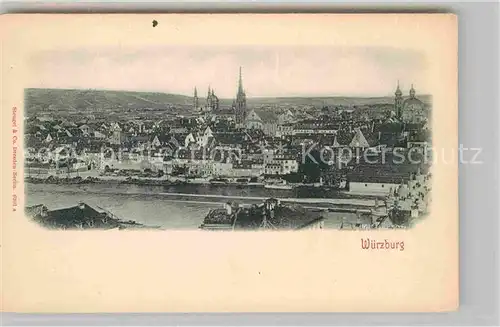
410	109
239	104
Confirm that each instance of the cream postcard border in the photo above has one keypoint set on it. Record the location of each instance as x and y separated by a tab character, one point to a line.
173	271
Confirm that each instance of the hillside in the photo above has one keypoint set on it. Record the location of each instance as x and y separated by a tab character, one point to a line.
100	100
81	100
328	101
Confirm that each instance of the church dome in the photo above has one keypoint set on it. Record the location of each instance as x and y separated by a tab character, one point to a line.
412	102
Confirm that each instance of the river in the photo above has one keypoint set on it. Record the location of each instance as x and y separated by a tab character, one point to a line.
150	205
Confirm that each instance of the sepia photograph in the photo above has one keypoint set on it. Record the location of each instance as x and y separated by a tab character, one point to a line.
211	138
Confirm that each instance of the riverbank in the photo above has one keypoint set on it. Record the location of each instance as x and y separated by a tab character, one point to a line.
172	207
170	185
51	179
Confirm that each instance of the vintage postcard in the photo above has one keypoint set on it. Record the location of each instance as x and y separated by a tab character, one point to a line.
236	162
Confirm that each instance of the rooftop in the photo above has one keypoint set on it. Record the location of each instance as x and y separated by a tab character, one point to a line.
385	173
294	217
287	217
77	217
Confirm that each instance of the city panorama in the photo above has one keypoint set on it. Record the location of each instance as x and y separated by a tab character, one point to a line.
105	158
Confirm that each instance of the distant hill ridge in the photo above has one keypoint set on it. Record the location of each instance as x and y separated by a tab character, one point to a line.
85	99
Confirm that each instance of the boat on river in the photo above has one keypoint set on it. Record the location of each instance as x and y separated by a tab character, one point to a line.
283	185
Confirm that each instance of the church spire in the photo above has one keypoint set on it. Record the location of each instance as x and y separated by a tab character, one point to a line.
398	102
398	90
209	97
240	83
195	98
240	101
412	92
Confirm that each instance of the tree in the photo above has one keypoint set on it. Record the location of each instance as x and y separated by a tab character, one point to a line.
312	166
294	178
179	170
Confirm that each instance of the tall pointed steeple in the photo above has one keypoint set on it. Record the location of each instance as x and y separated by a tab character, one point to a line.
398	102
240	83
209	97
195	99
241	101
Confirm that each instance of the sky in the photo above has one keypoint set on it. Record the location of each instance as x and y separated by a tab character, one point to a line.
267	71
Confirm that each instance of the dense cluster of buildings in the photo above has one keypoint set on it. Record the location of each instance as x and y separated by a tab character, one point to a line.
270	214
299	144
